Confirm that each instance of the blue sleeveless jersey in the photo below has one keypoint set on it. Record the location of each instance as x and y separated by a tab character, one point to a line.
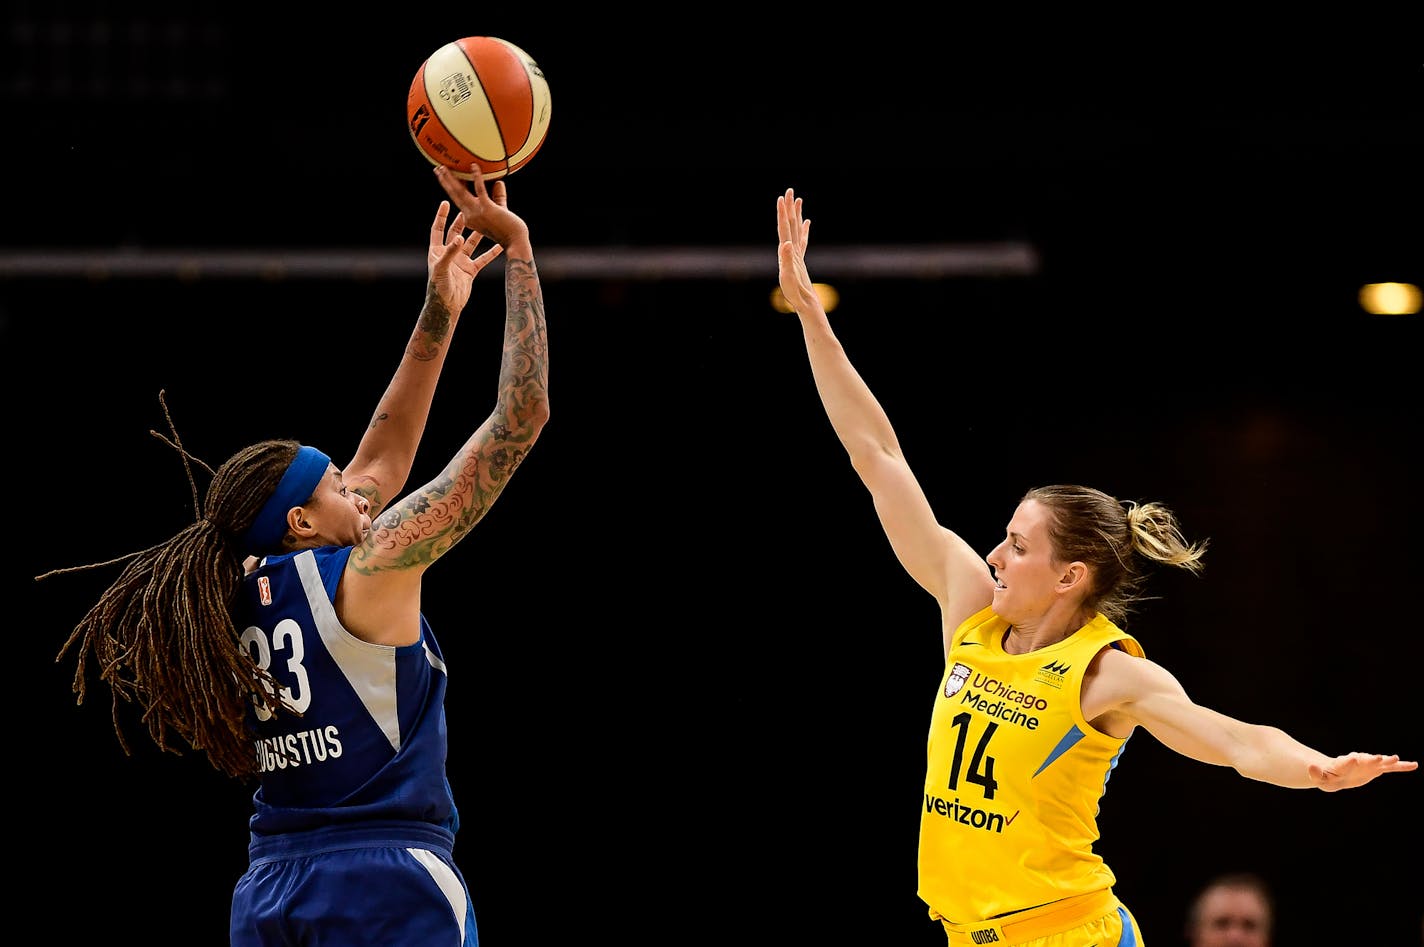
369	745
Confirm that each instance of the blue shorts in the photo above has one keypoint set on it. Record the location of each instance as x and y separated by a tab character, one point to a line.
362	893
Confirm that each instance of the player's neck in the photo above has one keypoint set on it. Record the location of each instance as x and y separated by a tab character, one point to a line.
1021	639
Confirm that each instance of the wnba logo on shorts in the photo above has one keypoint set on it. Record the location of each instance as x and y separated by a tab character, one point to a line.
984	937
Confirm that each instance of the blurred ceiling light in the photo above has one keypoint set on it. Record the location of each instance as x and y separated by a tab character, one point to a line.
1390	299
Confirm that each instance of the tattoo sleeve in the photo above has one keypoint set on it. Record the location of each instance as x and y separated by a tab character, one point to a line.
424	525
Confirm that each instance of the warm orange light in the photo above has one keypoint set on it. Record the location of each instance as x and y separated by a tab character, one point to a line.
1390	299
827	293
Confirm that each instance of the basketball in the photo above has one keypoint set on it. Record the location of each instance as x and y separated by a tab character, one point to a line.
479	100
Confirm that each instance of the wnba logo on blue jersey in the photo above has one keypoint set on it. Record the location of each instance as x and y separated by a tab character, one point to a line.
264	589
958	675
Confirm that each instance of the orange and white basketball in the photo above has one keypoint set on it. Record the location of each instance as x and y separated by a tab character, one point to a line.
479	100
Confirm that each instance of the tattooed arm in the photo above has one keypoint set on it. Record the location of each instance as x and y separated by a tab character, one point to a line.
387	450
379	596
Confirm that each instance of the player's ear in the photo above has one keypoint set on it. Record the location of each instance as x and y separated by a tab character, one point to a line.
299	524
1074	576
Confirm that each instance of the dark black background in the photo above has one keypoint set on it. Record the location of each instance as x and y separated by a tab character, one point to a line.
690	683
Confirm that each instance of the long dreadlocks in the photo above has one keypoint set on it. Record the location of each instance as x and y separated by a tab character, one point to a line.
162	635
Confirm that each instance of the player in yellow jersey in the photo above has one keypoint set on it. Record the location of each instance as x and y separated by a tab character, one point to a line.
1041	688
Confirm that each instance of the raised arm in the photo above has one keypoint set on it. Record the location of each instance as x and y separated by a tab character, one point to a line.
479	471
379	596
383	459
935	557
1121	692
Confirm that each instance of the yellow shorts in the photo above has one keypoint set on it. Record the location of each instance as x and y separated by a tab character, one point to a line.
1089	920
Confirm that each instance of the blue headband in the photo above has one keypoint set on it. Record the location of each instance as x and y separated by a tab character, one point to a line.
295	488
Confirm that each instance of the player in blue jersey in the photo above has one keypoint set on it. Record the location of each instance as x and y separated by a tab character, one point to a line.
281	633
1041	688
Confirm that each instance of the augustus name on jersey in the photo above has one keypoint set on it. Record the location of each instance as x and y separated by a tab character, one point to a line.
367	736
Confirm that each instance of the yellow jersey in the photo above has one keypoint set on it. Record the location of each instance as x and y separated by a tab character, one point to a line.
1014	774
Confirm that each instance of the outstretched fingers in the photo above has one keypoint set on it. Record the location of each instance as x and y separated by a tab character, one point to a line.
790	224
437	227
456	245
443	230
484	259
457	189
1356	769
468	197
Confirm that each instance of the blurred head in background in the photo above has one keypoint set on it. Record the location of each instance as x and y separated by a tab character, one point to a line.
1233	910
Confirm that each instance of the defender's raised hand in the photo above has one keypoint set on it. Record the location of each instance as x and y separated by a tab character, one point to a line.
795	234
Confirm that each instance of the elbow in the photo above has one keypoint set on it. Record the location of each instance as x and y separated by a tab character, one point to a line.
868	455
539	404
539	414
519	421
532	413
